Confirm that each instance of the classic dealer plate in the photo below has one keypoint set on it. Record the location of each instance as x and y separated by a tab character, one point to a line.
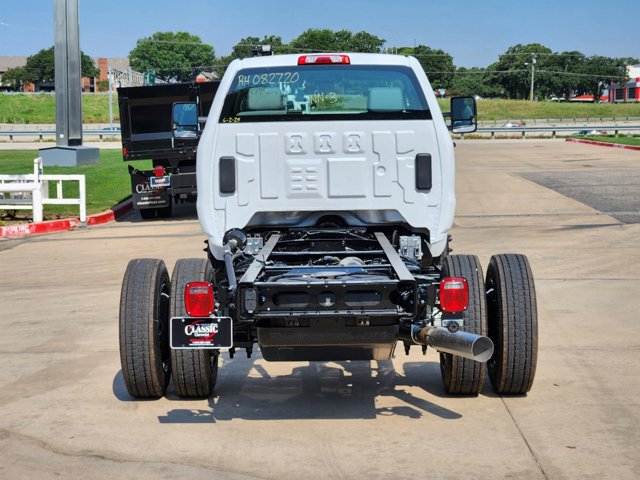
216	332
159	182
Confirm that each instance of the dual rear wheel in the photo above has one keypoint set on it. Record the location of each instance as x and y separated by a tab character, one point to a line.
504	308
148	300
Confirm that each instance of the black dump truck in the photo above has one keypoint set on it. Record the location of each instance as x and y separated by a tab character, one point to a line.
162	123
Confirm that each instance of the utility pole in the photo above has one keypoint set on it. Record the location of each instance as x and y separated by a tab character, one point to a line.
533	73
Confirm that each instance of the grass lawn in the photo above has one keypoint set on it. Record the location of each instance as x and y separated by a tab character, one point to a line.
41	108
622	140
108	182
523	110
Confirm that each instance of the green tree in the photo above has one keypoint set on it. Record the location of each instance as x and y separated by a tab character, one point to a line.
473	81
315	40
244	47
597	72
437	64
14	78
561	70
512	71
365	42
173	56
325	40
40	68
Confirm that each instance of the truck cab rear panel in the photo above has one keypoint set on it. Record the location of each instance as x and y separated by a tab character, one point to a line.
287	143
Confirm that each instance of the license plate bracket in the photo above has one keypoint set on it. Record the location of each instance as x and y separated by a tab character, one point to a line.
160	182
187	333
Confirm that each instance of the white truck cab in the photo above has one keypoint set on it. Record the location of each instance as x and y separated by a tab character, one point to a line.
294	138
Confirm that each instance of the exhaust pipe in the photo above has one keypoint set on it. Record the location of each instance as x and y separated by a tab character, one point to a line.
463	344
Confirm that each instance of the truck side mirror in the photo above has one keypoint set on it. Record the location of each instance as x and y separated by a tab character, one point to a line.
184	120
463	115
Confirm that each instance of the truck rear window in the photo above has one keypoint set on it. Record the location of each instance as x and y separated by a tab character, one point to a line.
324	92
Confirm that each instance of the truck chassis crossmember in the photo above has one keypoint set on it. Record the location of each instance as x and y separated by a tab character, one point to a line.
329	294
326	294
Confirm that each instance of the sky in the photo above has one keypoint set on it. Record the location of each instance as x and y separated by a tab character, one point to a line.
475	33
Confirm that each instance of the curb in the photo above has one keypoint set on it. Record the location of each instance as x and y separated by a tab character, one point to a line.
53	226
110	215
603	144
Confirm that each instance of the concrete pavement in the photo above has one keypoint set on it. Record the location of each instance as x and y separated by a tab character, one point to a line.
65	411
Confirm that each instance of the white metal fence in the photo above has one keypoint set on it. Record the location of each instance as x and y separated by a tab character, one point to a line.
31	192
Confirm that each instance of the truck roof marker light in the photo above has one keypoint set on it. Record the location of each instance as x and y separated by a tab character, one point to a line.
198	299
454	294
158	171
325	59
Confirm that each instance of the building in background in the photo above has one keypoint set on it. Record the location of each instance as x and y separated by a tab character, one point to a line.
629	91
100	83
88	84
7	63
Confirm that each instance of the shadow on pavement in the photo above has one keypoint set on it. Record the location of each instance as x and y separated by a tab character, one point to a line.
181	212
319	390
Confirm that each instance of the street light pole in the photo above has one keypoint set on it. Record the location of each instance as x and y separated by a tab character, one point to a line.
67	74
69	151
533	73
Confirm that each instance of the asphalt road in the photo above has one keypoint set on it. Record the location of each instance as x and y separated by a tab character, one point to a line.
64	410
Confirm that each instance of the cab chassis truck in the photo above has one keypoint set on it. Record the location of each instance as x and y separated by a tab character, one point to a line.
149	123
326	191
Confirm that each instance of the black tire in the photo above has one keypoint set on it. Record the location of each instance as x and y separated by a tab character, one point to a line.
194	371
144	333
460	375
513	324
147	213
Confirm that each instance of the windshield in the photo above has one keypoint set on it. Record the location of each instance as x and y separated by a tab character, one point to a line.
324	92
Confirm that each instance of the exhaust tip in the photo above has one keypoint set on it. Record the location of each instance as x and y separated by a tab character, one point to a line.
482	349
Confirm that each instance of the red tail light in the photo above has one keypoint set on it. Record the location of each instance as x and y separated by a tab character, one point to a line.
158	171
316	59
198	299
124	151
454	294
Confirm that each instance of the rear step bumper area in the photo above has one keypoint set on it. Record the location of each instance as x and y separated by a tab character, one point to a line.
327	302
322	342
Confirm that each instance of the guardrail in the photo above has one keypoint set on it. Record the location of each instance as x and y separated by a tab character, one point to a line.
31	192
102	134
582	120
555	129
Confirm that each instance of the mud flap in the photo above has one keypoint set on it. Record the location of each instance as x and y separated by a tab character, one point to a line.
144	195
